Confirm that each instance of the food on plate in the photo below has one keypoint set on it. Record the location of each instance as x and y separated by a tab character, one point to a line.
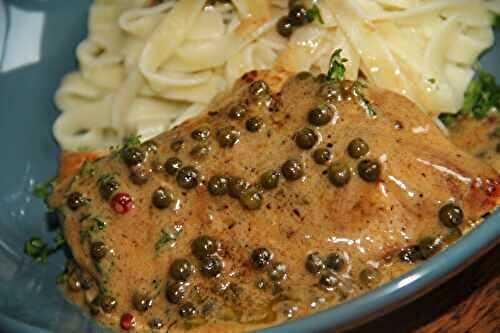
269	159
146	65
311	190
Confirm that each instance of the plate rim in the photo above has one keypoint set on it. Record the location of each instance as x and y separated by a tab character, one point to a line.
375	303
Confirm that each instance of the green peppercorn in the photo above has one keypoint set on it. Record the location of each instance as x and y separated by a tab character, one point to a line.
322	155
302	76
133	156
357	148
107	188
86	282
176	291
254	124
336	261
330	91
76	200
228	136
74	283
251	199
181	269
98	250
218	185
451	215
238	111
108	303
259	88
237	186
173	165
410	254
156	324
261	257
284	26
320	116
176	145
201	134
306	138
187	311
369	277
270	179
314	263
339	174
429	246
329	279
211	266
140	175
292	170
273	104
369	170
204	246
321	78
142	302
277	272
162	198
200	152
298	15
187	177
150	146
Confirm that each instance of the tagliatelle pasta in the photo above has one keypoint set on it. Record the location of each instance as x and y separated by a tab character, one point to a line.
148	65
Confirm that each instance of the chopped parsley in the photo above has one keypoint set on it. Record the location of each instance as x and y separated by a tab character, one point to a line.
481	97
44	189
314	14
62	278
39	250
87	169
363	101
336	71
168	235
106	178
132	140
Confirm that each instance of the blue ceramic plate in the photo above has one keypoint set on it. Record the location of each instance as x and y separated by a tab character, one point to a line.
37	43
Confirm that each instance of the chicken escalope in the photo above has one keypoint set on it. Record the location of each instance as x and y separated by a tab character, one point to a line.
284	197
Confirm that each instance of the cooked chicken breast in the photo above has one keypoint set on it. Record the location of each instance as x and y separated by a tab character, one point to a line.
304	193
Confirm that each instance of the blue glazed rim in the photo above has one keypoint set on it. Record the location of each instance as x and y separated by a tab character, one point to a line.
376	303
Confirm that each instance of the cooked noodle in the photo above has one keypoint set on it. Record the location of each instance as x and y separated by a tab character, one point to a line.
145	67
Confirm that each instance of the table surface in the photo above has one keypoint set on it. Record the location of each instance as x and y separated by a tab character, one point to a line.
470	303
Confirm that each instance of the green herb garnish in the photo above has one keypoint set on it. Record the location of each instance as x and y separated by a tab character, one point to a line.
314	13
167	235
106	178
363	101
87	169
482	96
336	71
62	278
44	189
132	140
39	250
100	224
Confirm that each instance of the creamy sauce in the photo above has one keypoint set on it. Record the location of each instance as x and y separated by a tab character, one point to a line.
366	223
480	138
